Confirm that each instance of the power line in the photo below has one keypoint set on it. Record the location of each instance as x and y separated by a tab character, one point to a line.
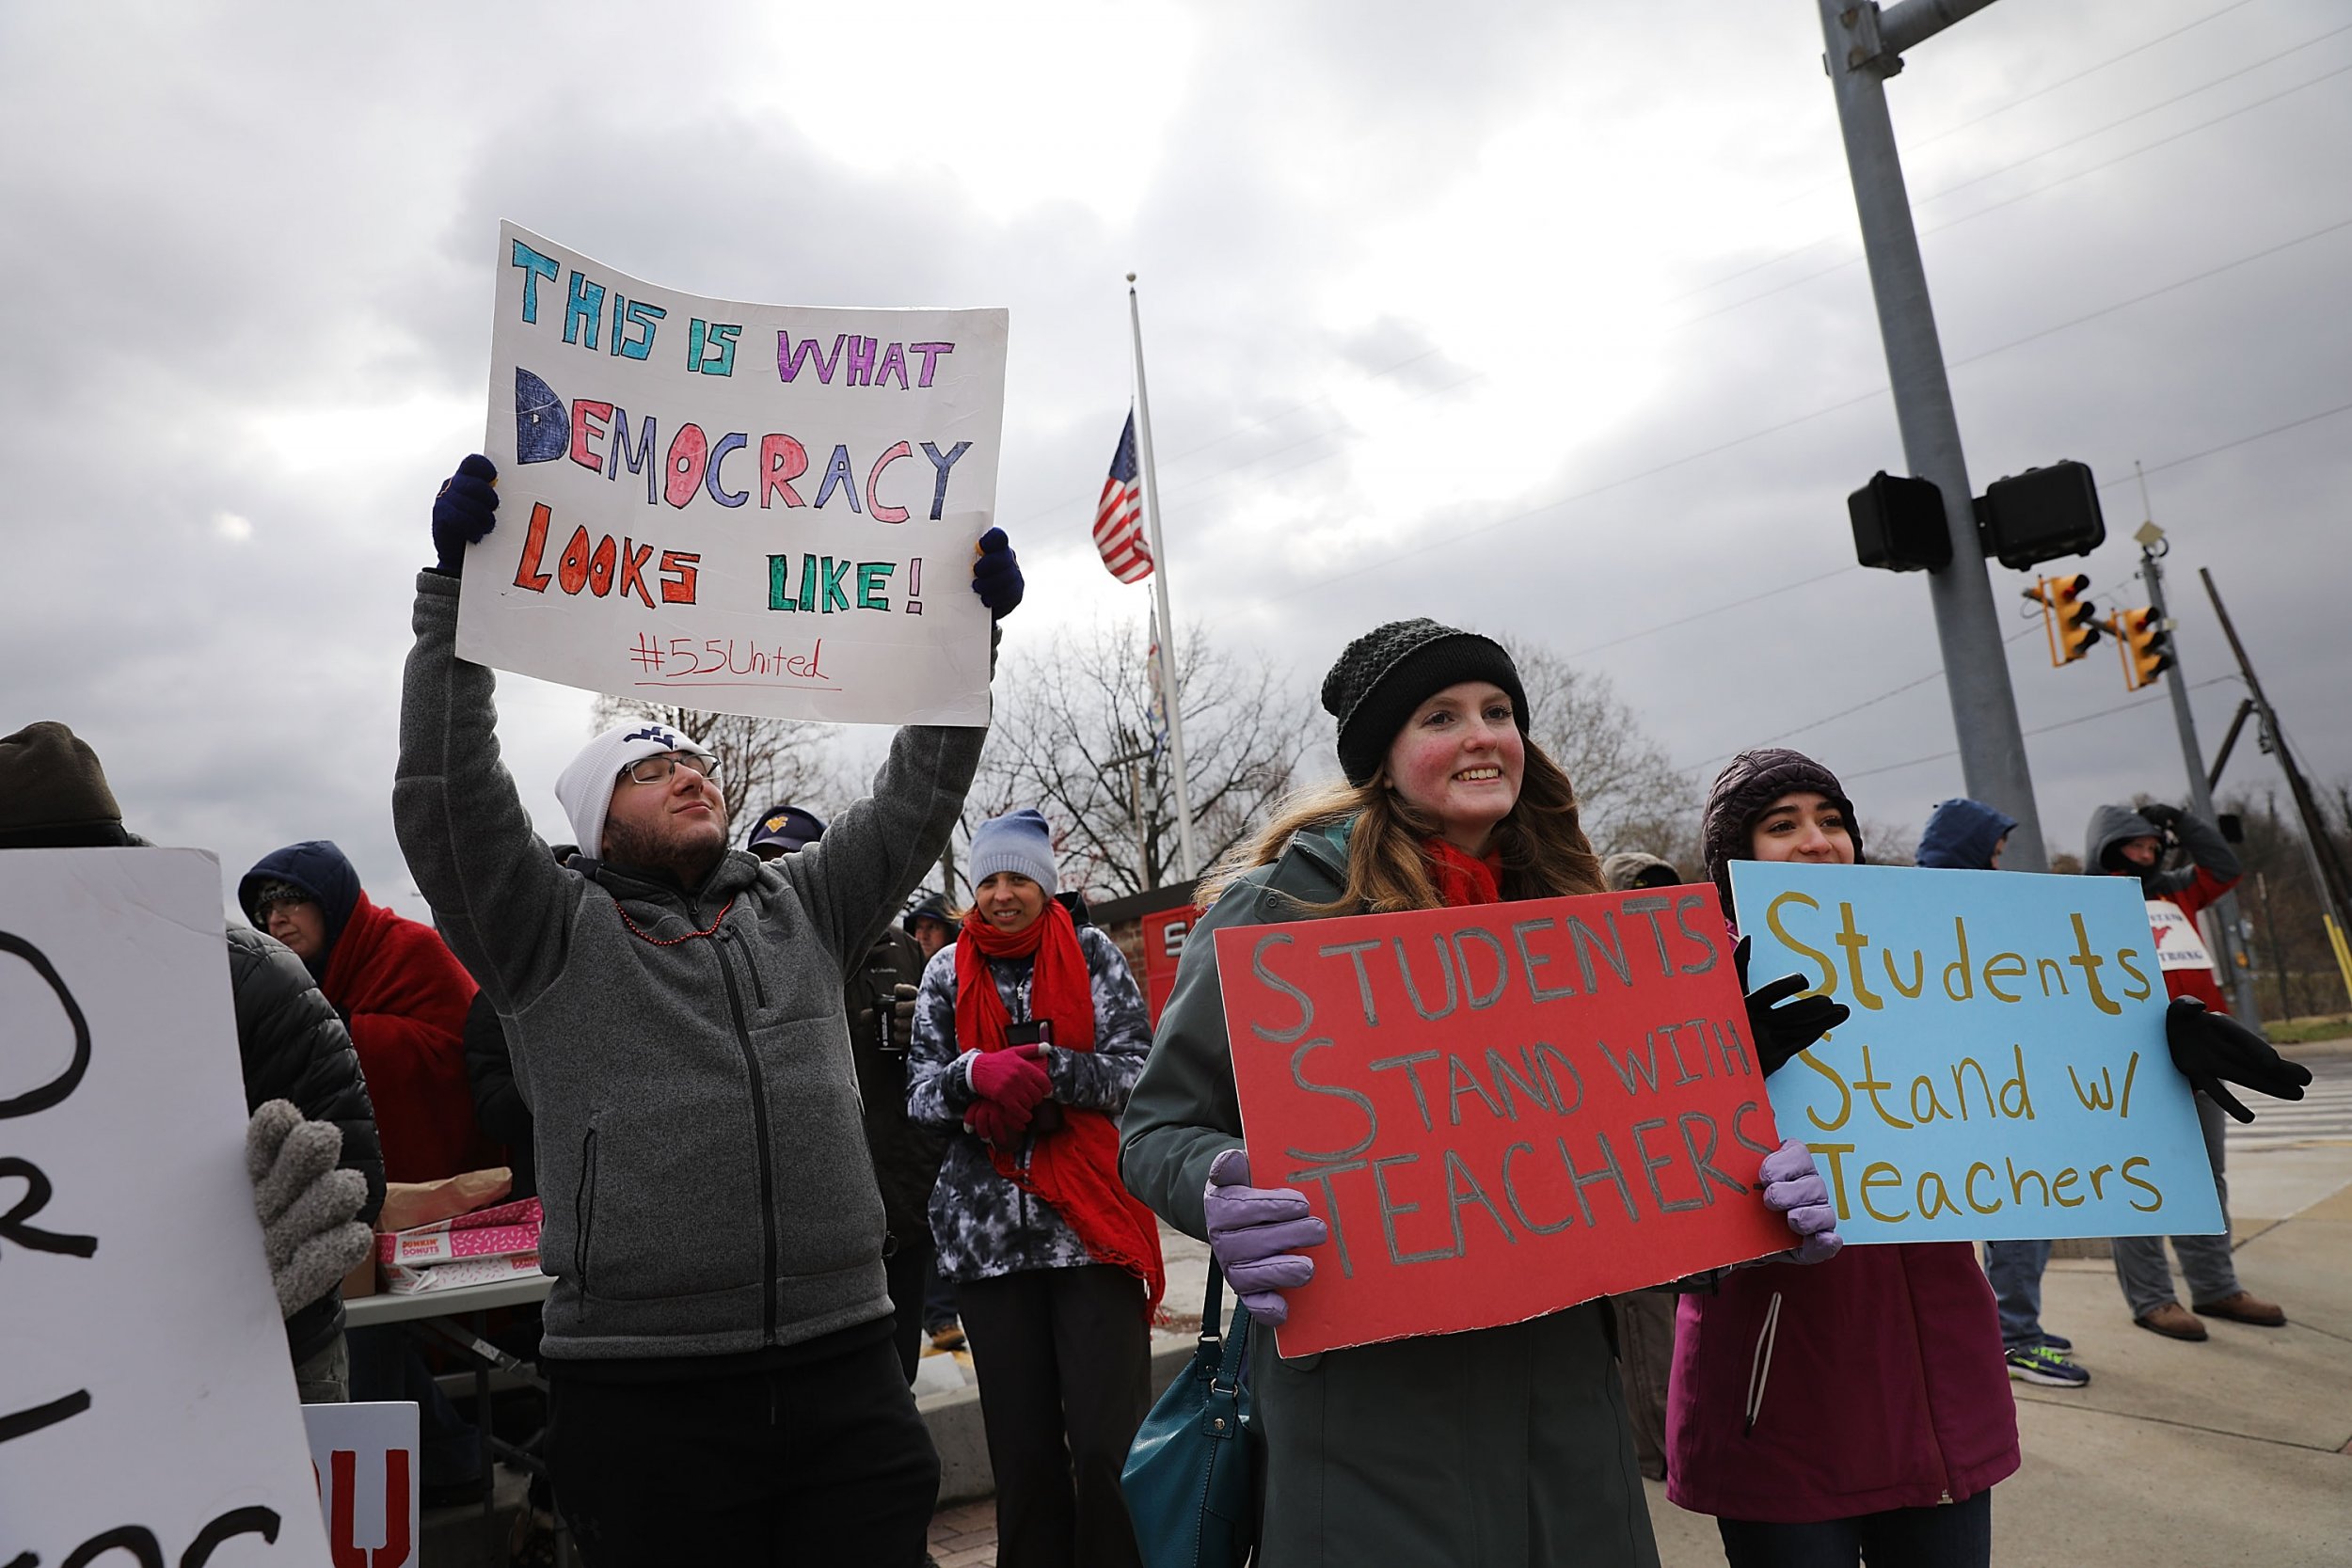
2243	440
2045	729
1717	609
2005	201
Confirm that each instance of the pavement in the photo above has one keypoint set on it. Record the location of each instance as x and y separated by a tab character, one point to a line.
2236	1451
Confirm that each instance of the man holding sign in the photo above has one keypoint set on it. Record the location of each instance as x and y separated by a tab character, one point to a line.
718	1340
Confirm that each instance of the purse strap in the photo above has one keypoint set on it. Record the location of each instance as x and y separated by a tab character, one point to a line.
1213	1309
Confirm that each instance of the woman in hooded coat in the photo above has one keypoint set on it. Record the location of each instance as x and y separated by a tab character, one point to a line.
1492	1448
1860	1409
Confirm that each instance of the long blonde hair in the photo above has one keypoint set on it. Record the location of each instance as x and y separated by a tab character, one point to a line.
1545	853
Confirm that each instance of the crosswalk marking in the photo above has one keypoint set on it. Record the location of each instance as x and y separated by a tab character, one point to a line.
2323	1116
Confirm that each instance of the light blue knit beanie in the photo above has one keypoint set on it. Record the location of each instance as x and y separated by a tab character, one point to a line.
1018	842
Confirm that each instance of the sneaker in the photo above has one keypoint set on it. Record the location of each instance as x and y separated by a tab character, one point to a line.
2057	1341
2046	1366
2243	1307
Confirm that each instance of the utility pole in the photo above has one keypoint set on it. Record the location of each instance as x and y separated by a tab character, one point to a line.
1865	47
2328	873
2230	927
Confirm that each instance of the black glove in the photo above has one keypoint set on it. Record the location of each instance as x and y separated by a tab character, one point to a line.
2212	1049
465	509
2166	819
996	574
1781	1032
898	1013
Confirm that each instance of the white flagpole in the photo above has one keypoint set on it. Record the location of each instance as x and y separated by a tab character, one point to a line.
1167	626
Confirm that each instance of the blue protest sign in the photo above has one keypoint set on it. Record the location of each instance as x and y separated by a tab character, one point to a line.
2003	1074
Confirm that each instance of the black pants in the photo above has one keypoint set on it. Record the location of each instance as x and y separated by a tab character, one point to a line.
820	1465
1065	1363
1954	1535
906	1270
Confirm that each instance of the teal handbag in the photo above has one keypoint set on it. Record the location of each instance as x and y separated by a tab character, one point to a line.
1190	1476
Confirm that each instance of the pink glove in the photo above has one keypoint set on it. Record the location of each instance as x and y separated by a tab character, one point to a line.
1793	1187
1011	1078
1252	1231
1000	1124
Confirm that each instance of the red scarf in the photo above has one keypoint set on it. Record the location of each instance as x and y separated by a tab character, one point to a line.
1463	878
1075	1168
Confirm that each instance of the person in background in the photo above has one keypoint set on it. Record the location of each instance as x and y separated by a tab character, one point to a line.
1855	1412
303	1089
1028	1034
878	1001
718	1338
401	993
1969	835
2127	842
1503	1446
931	925
1645	1319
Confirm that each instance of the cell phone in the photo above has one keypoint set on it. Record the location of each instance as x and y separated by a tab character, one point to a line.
1036	1031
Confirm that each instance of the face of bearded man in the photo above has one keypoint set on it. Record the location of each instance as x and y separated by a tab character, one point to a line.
677	828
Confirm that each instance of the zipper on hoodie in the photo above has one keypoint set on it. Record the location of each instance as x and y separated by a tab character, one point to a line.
759	1130
585	1210
1760	1363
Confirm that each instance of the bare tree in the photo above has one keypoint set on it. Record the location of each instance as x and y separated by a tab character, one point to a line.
762	762
1075	737
1631	796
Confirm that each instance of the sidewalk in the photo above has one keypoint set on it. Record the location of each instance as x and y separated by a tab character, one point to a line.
2238	1450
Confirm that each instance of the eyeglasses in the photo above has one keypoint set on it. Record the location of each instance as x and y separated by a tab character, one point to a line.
654	771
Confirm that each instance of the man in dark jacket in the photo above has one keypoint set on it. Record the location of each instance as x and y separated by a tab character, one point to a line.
1968	835
718	1340
290	1044
879	1002
2124	841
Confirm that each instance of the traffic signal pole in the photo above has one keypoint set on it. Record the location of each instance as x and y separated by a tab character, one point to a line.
1865	47
2235	950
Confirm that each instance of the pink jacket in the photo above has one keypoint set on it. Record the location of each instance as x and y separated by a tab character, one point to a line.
1870	1382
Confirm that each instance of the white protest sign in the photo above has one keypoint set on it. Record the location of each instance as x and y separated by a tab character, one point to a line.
148	1411
365	1459
749	507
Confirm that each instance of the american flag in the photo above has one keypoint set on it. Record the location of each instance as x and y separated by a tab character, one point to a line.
1119	516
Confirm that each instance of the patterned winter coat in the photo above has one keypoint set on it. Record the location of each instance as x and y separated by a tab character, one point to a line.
983	1224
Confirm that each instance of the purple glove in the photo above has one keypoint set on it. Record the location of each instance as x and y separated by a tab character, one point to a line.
1793	1187
1011	1078
1253	1230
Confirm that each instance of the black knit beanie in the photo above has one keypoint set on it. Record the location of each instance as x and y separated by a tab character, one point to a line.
52	792
1752	781
1392	669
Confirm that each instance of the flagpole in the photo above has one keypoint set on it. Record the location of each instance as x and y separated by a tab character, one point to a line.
1167	626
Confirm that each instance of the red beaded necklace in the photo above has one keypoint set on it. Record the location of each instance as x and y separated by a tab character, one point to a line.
673	941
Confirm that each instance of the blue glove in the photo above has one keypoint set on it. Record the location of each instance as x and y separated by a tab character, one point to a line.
465	510
996	574
1793	1188
1254	1232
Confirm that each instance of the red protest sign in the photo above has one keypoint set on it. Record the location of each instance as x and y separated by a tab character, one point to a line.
1500	1110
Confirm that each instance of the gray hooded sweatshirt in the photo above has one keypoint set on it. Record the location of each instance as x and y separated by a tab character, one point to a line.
702	1160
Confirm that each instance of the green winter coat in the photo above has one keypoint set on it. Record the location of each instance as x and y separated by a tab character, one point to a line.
1498	1449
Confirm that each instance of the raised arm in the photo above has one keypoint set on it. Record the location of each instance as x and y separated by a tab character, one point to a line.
502	903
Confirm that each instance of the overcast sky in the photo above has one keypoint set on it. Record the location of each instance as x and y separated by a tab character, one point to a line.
1544	319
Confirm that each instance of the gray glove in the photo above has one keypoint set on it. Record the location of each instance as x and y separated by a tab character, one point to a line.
307	1206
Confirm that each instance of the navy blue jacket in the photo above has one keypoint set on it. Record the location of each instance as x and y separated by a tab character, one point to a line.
1962	834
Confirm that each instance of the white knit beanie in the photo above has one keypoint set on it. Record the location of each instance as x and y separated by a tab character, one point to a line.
585	786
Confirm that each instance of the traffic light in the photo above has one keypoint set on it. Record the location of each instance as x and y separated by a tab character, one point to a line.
2147	646
2066	616
2041	515
1898	525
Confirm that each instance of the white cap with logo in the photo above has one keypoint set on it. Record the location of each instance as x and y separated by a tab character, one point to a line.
585	786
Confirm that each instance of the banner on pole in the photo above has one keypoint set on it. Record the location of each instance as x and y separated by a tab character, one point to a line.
750	508
2005	1073
147	1404
1500	1110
